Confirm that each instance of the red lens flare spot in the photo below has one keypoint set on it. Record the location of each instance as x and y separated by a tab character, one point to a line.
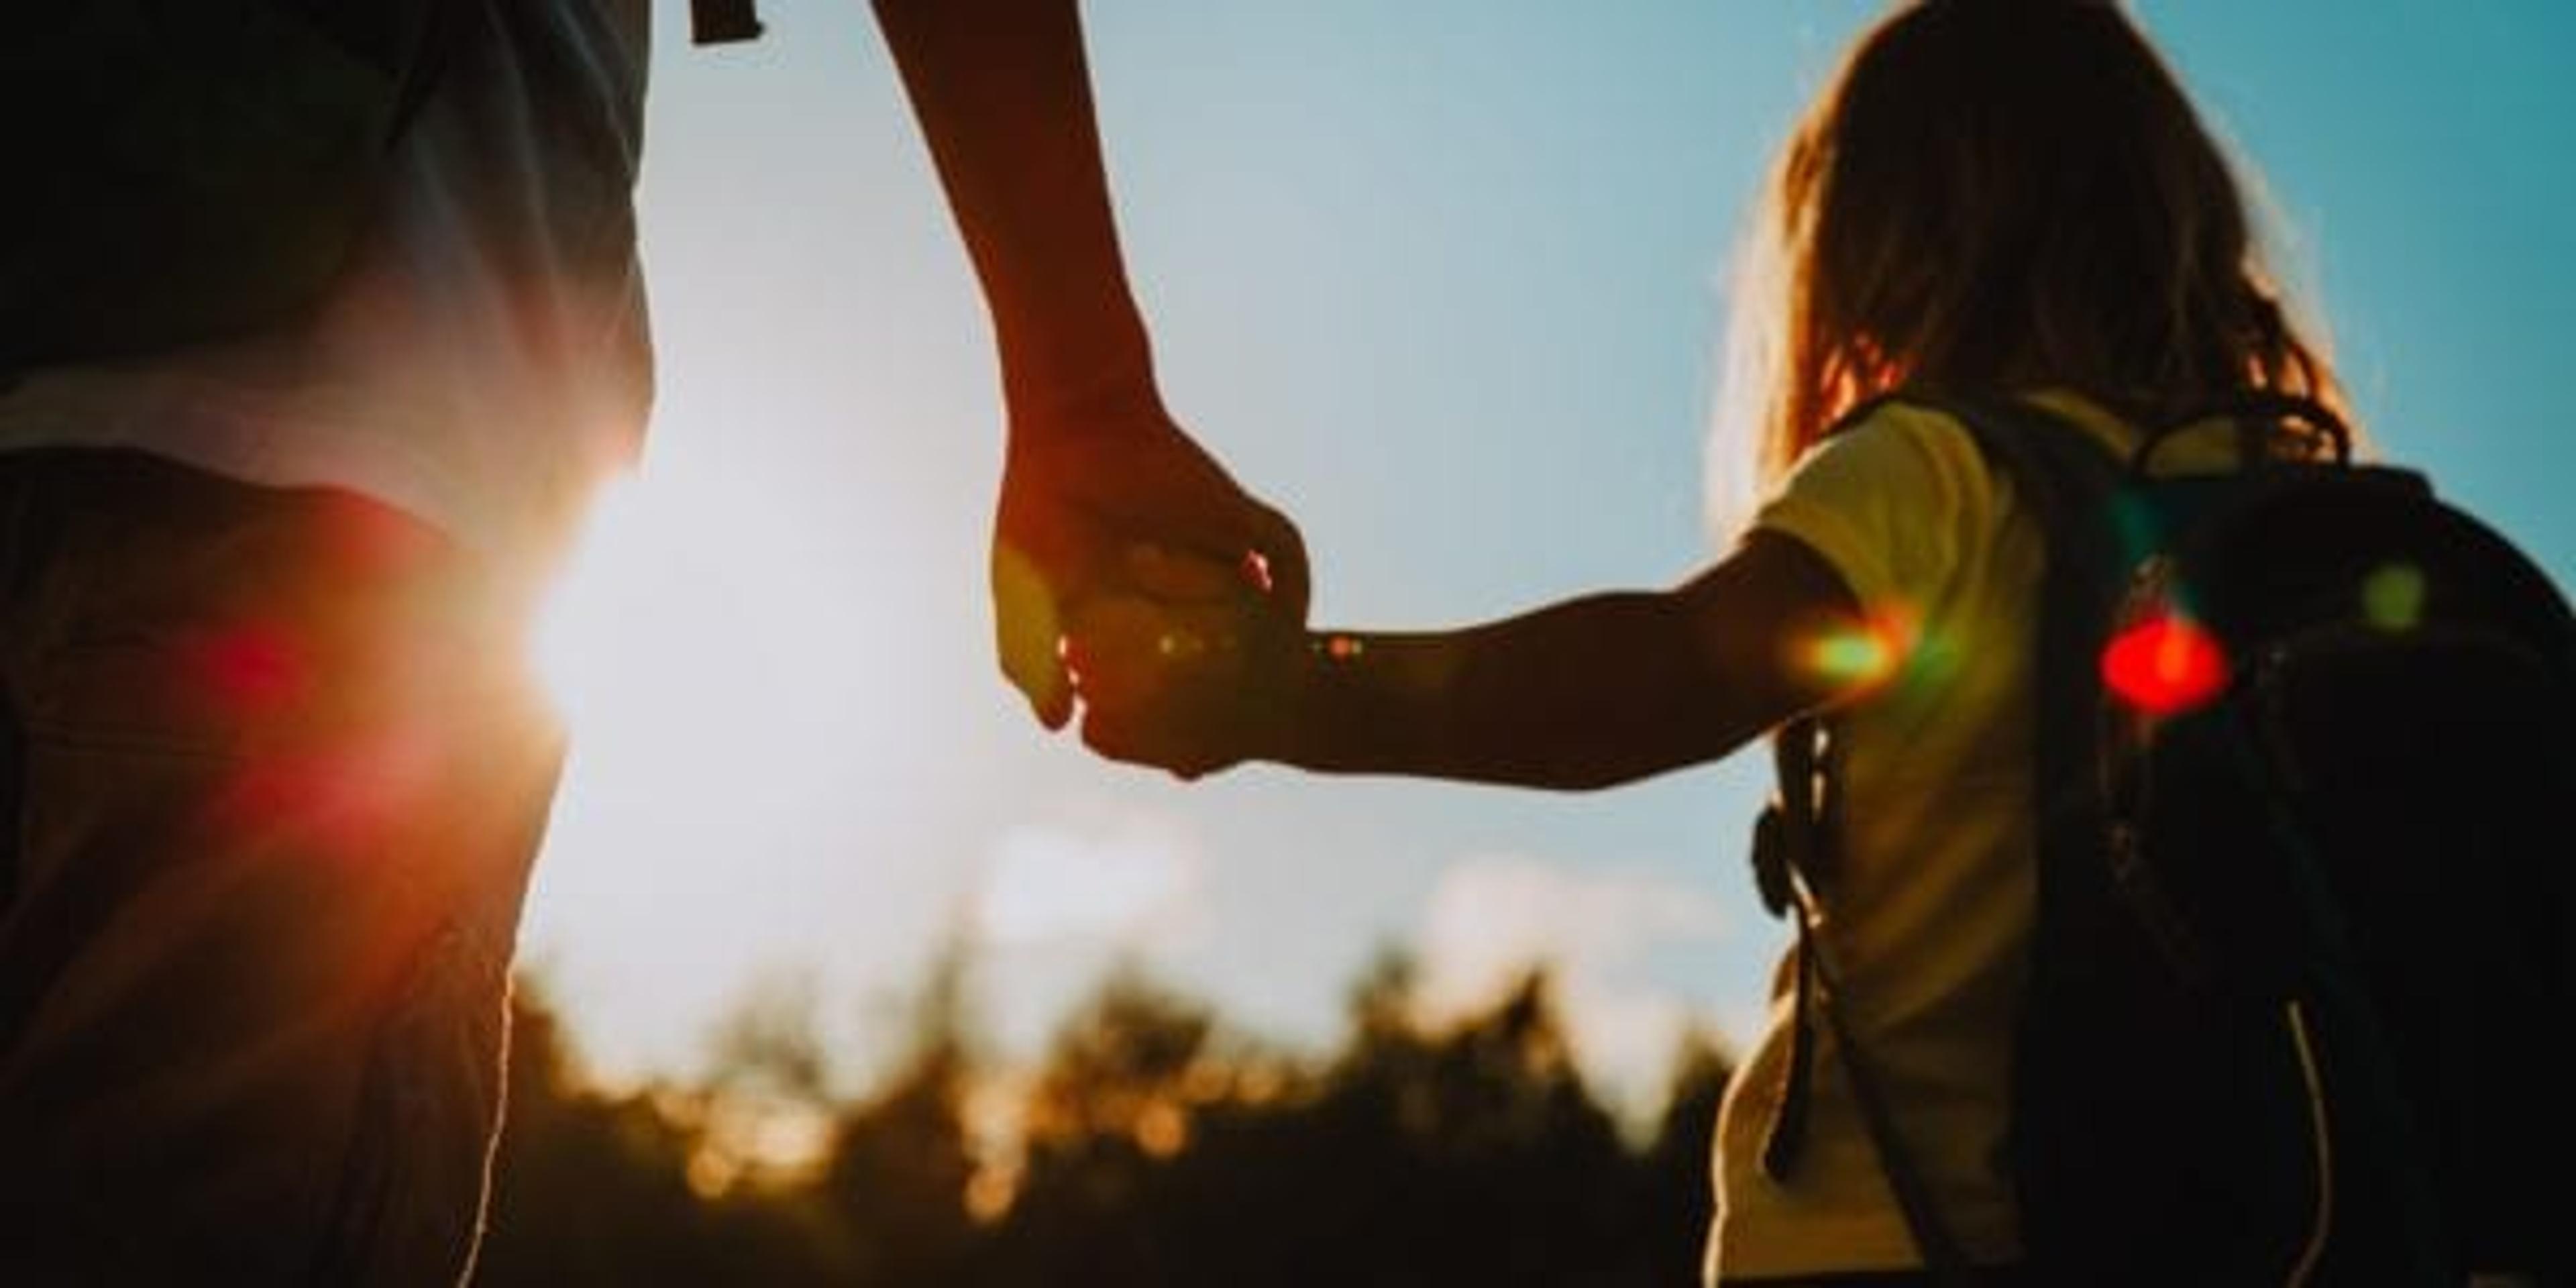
345	804
250	668
2164	666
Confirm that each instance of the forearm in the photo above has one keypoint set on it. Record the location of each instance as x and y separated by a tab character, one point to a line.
1004	100
1585	694
1591	692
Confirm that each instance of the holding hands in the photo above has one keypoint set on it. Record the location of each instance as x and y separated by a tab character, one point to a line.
1113	503
1191	669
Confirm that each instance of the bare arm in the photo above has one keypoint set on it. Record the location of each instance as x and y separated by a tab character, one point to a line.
1004	99
1588	693
1096	466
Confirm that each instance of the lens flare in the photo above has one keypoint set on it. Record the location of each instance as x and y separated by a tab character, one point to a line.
1862	653
249	669
2392	597
1851	656
1342	648
2164	666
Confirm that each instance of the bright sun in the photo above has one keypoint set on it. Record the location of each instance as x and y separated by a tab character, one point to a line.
738	772
691	613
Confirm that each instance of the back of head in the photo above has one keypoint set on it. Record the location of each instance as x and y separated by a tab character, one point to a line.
2002	195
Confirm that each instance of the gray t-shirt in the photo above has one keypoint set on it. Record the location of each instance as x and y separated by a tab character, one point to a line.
486	361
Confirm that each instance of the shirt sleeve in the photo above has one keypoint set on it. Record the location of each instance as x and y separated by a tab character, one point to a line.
1891	503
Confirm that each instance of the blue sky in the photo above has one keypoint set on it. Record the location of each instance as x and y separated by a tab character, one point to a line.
1443	279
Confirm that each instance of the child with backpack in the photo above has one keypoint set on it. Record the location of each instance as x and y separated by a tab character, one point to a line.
2060	508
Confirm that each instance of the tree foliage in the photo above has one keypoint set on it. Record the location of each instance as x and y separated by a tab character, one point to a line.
1152	1146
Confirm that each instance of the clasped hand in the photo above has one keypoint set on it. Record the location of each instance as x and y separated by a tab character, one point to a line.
1192	670
1131	571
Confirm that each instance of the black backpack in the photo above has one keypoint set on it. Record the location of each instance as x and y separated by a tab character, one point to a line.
188	170
2306	938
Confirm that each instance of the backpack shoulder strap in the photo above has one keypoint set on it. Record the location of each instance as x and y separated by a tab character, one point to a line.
2071	485
2069	482
2064	476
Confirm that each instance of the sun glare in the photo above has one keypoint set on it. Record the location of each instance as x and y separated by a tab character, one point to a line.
691	611
578	623
745	781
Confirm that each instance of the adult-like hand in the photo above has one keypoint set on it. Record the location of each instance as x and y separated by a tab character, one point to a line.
1118	501
1095	466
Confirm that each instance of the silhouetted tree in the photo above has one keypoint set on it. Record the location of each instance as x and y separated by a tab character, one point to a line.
1152	1146
901	1160
593	1188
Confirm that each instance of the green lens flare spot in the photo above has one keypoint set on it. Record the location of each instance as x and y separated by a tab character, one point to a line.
1851	656
2392	597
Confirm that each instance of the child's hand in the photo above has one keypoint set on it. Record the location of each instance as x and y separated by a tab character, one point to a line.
1190	685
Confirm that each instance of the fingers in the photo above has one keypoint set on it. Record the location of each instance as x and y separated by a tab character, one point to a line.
1130	651
1136	738
1027	631
1265	557
1282	551
1118	651
1143	512
1161	683
1193	533
1180	576
1250	549
1180	729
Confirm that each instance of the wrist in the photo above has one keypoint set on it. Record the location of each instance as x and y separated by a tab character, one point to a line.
1106	390
1322	686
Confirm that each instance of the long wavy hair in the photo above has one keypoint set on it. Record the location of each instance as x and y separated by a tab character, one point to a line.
1999	196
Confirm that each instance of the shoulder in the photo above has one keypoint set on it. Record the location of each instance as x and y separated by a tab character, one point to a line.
1901	442
1891	498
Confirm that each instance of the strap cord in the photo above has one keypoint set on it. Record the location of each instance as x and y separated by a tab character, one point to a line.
1789	844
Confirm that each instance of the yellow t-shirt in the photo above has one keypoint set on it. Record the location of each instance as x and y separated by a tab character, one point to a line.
1929	910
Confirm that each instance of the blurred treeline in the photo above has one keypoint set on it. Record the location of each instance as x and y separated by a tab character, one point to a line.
1151	1146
